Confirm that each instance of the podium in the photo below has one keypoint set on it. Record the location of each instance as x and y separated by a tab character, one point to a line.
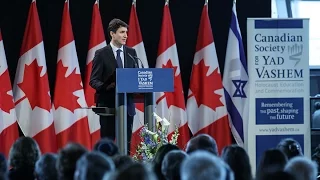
142	81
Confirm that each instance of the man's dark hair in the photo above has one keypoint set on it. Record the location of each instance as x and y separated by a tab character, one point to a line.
171	164
159	156
67	159
115	24
46	167
202	142
24	153
93	165
106	146
121	161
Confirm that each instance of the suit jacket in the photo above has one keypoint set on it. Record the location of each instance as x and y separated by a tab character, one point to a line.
104	73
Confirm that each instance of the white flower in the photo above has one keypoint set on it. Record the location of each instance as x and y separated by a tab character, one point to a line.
165	122
158	118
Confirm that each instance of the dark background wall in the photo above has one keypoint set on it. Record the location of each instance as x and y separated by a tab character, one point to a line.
185	17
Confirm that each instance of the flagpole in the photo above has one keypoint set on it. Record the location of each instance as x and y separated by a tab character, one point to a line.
134	2
206	2
167	2
97	1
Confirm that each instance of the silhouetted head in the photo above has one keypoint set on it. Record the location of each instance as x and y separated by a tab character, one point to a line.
46	167
204	165
67	159
24	153
135	171
272	160
158	158
302	168
238	160
290	148
171	164
202	142
106	146
93	165
122	161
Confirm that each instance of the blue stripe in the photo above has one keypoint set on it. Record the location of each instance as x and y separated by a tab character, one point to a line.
235	115
278	24
234	29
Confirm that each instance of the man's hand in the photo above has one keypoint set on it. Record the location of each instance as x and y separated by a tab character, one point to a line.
110	86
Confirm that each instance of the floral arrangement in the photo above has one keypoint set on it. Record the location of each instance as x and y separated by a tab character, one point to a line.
152	141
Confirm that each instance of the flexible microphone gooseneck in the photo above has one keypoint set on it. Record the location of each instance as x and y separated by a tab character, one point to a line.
134	59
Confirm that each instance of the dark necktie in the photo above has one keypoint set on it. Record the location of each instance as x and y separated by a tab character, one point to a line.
119	61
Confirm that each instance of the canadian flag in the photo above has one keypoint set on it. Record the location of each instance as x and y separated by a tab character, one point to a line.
206	108
97	41
171	105
70	119
8	120
31	87
135	40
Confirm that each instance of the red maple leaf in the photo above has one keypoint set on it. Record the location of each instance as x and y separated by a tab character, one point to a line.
175	98
36	88
203	86
65	88
6	100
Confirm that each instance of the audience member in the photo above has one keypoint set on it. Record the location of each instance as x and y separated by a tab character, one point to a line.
67	159
272	160
302	168
158	158
238	160
202	142
202	165
106	146
171	164
93	165
23	155
120	161
135	171
46	167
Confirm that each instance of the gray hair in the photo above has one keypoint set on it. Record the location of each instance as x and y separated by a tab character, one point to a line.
302	168
204	165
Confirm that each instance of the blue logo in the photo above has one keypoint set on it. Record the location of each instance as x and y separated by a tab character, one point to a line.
239	88
145	79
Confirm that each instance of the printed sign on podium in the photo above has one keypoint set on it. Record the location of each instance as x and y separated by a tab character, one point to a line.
141	80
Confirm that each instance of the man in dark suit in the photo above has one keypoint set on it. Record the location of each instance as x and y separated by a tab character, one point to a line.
102	79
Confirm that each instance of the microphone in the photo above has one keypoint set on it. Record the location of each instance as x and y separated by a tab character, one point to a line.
140	61
135	57
137	64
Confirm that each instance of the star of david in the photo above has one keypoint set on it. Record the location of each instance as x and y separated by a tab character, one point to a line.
239	92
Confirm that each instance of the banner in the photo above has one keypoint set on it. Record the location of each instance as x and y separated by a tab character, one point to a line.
278	65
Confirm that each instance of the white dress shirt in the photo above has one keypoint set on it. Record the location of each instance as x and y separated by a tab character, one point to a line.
114	49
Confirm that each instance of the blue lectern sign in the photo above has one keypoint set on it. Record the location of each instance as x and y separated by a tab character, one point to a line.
135	80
